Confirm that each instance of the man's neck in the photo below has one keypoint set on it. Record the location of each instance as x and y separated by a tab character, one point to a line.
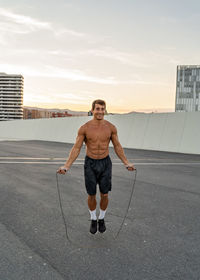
98	122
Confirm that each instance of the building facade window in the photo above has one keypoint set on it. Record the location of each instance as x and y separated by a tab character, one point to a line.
187	88
11	96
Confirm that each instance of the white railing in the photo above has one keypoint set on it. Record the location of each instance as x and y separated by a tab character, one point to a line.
174	132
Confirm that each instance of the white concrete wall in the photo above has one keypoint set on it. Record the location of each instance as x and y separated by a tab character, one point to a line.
174	132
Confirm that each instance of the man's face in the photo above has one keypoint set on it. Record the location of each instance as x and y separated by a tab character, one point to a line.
98	112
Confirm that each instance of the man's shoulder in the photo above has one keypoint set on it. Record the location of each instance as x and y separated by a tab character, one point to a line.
111	125
82	129
85	125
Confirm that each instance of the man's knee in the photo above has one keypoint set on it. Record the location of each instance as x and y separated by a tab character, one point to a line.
104	195
92	197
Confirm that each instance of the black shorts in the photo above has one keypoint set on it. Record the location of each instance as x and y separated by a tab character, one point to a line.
98	171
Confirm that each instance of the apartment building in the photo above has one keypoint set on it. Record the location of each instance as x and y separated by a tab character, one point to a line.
11	96
188	88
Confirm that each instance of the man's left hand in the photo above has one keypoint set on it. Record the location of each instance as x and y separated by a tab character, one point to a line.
130	167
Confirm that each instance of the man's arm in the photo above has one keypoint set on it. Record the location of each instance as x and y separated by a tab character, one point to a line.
119	150
74	151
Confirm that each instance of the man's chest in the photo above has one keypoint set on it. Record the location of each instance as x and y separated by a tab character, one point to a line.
101	134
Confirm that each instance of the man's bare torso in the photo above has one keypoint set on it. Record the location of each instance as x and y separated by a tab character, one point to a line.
97	138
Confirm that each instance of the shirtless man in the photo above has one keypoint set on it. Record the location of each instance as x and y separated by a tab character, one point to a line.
97	134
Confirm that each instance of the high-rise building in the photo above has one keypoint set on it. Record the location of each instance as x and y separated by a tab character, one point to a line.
188	88
11	96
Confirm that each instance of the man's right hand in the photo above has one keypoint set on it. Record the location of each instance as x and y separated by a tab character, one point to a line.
62	170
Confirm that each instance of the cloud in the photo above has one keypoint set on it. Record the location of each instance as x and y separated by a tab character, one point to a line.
143	60
55	72
74	75
77	75
70	98
23	20
64	31
33	95
120	56
7	27
21	24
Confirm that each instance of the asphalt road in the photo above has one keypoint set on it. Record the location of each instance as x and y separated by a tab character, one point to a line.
159	240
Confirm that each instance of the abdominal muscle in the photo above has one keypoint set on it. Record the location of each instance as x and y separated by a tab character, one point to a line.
97	151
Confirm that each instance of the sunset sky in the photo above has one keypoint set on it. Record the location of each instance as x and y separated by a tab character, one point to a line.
123	51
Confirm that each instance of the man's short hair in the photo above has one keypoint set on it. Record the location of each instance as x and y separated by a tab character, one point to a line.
98	101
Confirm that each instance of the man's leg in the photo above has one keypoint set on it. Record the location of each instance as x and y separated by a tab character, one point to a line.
104	201
92	203
104	186
91	186
103	207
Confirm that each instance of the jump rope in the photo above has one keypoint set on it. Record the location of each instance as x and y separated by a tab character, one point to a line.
64	219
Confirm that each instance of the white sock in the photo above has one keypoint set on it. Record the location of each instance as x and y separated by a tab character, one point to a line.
93	215
102	214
